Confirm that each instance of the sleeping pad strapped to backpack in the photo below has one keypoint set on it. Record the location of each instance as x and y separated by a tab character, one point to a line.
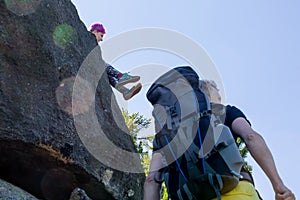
201	159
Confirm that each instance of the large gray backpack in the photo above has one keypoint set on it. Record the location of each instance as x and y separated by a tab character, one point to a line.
200	156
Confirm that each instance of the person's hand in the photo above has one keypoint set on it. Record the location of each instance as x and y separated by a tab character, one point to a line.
283	193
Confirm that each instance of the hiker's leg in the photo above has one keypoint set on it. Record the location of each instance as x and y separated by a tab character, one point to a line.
112	72
123	78
129	93
152	188
113	75
122	89
115	81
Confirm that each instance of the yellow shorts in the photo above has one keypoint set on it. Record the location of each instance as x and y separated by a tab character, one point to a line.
243	191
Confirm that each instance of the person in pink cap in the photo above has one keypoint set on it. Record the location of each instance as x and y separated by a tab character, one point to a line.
116	78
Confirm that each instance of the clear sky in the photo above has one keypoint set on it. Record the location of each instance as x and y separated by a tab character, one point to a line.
255	46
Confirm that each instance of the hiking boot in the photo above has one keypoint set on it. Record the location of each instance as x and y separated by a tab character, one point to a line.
133	91
126	78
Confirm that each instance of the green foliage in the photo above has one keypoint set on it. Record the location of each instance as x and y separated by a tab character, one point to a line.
145	162
135	123
244	152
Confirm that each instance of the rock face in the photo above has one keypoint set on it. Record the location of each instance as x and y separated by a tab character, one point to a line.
60	126
10	192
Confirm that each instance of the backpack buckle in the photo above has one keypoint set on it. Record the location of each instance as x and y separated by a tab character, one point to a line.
205	113
172	111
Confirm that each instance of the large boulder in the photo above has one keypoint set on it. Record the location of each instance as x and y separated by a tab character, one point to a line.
52	139
11	192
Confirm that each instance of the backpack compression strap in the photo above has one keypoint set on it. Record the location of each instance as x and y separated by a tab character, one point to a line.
217	188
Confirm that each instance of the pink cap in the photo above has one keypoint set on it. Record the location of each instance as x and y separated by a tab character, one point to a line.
98	27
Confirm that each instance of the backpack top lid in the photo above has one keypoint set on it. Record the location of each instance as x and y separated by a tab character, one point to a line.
183	72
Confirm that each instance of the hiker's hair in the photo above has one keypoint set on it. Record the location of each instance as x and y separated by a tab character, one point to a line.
205	85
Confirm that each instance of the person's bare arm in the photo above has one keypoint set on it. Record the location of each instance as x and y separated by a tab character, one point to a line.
152	188
263	156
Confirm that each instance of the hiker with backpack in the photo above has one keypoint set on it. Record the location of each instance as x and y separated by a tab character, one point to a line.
255	144
115	77
206	177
